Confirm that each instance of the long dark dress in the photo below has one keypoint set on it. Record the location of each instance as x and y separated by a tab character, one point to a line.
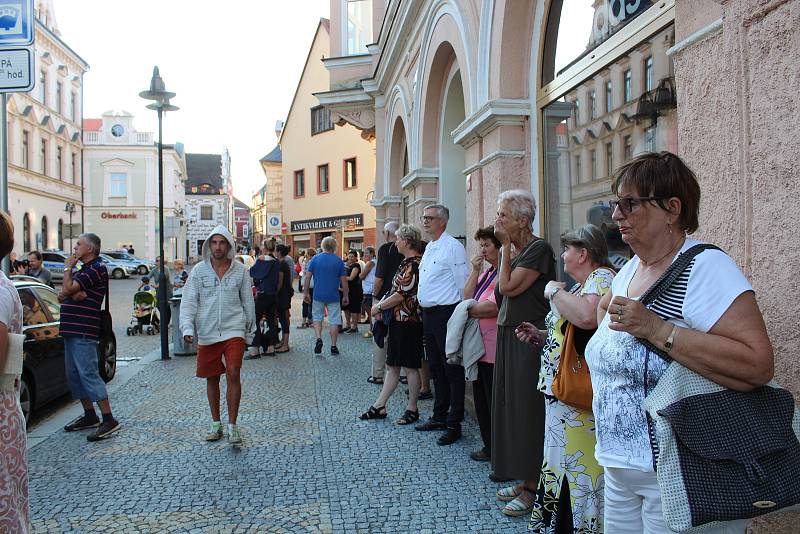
517	405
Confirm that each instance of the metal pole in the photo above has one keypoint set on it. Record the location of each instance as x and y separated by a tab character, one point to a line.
6	266
162	277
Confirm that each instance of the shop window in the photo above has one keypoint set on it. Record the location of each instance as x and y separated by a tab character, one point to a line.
206	213
359	26
299	183
573	196
45	230
60	237
119	185
323	179
320	120
350	178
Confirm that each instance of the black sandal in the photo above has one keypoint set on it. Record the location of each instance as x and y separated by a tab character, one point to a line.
408	418
374	413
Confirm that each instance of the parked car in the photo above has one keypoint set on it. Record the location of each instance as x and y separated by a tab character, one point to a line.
143	266
43	374
118	269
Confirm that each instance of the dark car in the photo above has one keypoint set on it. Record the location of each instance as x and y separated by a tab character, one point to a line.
43	374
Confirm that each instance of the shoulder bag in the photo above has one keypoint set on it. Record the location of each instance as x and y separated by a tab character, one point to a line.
572	383
719	454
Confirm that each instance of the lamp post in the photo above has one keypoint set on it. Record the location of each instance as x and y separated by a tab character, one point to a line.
161	96
69	208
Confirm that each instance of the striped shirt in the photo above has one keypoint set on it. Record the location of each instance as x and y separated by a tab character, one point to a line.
83	318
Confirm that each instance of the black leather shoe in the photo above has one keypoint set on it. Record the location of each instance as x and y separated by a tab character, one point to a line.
429	425
481	455
495	478
450	436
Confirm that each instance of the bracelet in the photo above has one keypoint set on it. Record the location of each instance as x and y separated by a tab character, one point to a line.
670	342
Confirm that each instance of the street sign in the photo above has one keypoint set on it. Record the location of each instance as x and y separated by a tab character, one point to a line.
16	23
16	67
273	223
284	228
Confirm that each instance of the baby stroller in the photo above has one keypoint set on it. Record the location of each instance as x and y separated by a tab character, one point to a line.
144	318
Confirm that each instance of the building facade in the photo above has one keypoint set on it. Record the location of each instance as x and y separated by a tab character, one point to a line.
469	98
45	185
121	194
241	223
209	199
328	170
267	203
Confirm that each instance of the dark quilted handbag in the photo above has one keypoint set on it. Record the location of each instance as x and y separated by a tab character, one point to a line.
720	454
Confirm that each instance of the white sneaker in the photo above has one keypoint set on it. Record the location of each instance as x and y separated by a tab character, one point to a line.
215	434
234	438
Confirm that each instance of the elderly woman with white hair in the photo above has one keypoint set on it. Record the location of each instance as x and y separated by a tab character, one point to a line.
527	264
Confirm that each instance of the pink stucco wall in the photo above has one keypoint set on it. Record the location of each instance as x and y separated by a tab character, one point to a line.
738	119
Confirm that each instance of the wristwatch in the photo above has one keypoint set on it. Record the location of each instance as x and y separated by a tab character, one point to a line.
553	294
67	269
380	310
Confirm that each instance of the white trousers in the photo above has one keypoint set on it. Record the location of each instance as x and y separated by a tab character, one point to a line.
633	505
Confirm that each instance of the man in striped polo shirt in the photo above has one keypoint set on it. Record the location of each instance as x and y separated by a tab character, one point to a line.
81	300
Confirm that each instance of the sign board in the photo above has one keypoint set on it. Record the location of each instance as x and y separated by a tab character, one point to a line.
284	228
273	223
16	23
329	223
16	69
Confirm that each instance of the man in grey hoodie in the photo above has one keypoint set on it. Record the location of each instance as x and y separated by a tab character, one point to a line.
217	308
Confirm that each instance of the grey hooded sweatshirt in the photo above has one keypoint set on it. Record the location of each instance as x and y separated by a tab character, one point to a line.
214	309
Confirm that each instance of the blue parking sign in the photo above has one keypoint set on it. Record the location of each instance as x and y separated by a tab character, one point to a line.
16	23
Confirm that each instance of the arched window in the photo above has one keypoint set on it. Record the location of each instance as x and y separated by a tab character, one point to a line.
44	233
616	48
61	234
26	233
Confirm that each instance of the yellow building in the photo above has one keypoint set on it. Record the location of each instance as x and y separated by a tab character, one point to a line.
328	170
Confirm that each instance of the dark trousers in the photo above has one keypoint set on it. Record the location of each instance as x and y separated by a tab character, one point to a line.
307	307
448	380
482	394
266	306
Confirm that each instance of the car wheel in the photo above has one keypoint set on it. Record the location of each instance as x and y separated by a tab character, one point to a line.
118	273
107	357
143	269
25	398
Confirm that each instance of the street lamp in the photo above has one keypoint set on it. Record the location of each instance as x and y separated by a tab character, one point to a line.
69	208
161	96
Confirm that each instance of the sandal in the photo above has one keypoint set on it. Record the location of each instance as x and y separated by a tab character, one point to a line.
408	417
374	413
373	380
404	380
509	494
520	506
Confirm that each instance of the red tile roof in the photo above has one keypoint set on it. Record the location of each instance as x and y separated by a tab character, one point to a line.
92	125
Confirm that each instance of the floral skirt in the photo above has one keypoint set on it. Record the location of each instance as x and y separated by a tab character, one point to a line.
569	441
13	466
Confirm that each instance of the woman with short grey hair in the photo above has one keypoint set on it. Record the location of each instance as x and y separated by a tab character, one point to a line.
517	406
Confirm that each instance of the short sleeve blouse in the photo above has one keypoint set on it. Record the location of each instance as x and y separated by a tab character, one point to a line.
406	282
530	306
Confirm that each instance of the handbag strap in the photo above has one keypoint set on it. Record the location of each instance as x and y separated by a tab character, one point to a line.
665	281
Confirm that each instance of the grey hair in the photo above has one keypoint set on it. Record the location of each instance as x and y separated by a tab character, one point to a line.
520	202
408	232
93	240
444	213
328	244
591	238
391	227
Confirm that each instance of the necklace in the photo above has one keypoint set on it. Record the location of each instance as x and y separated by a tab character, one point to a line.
677	245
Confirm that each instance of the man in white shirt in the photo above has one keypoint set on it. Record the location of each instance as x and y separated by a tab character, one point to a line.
443	273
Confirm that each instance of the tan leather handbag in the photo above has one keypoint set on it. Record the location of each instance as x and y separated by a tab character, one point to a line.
572	384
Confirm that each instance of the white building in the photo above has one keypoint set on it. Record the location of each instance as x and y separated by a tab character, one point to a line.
44	142
209	197
121	178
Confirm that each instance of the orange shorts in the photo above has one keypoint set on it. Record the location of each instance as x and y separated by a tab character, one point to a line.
209	357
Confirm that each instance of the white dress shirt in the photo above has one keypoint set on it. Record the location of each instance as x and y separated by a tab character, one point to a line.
442	273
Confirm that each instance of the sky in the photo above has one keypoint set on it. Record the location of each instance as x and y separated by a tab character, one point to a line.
234	65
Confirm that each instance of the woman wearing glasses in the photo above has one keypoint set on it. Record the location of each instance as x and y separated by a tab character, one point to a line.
708	322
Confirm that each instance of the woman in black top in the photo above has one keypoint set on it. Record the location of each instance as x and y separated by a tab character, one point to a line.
352	311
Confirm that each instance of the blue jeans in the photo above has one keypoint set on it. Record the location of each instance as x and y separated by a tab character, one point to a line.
83	371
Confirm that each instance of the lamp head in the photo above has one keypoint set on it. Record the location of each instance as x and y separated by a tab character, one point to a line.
158	90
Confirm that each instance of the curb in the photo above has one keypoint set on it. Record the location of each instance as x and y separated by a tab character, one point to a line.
55	424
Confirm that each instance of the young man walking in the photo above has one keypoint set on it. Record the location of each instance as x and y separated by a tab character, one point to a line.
81	298
218	309
328	272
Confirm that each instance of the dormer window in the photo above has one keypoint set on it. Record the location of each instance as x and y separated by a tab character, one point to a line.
359	26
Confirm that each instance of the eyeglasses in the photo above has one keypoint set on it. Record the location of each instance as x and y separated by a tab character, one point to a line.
427	218
627	204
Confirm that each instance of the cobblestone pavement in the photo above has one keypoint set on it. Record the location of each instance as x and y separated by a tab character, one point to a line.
307	463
